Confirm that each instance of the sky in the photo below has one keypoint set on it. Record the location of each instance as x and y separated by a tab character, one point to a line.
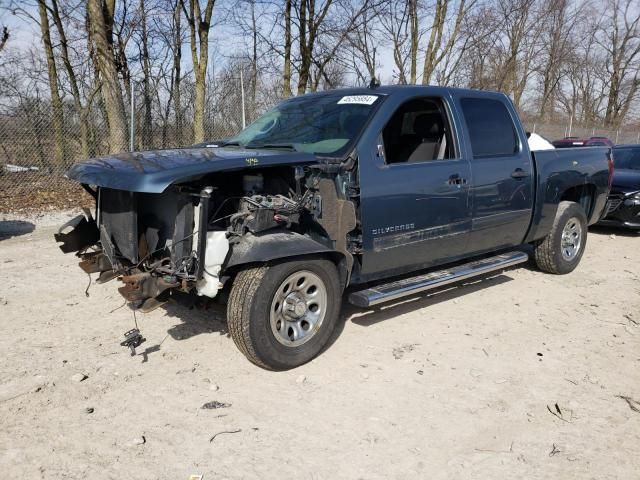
25	34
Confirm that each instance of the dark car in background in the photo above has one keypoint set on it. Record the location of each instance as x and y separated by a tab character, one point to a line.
571	142
623	207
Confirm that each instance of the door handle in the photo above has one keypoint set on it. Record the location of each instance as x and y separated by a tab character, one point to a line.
456	179
519	173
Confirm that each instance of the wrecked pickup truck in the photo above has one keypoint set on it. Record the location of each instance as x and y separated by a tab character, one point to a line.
378	192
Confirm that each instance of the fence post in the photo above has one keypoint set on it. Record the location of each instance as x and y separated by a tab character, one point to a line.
617	134
132	122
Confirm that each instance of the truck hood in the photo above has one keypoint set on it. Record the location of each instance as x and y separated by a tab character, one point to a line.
626	180
155	170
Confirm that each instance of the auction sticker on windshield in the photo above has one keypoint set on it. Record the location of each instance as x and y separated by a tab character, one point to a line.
359	99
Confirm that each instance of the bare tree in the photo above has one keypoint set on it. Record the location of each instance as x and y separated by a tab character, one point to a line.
101	13
56	100
556	50
146	78
364	43
309	23
81	109
395	23
199	24
437	48
620	39
286	69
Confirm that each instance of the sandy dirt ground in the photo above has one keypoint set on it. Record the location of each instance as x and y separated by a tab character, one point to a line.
522	375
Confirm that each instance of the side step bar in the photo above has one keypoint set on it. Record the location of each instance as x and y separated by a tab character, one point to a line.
409	286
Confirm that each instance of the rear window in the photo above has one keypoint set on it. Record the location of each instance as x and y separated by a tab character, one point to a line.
490	127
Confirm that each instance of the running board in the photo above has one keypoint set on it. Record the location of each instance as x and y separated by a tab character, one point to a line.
409	286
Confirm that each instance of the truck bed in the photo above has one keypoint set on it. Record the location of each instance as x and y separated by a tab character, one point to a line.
557	171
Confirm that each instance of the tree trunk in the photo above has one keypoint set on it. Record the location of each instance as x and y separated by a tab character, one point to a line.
177	60
305	56
146	70
286	72
413	20
432	59
100	20
199	34
198	108
56	101
437	26
254	63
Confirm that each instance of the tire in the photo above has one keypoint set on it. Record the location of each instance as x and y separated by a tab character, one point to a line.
265	317
560	251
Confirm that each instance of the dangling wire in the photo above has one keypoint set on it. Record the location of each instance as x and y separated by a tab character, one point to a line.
86	291
135	320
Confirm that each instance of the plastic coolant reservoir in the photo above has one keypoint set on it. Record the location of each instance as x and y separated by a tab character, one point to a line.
214	255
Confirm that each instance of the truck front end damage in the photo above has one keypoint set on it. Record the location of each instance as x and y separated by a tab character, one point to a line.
192	236
151	242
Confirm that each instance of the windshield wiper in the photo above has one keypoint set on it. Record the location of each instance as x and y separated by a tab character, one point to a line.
274	146
229	144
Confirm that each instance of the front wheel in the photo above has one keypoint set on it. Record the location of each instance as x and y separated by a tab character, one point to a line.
281	316
560	251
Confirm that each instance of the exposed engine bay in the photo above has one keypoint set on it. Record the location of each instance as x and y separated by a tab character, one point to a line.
190	237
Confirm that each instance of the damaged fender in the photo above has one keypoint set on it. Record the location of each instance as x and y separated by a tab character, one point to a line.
278	245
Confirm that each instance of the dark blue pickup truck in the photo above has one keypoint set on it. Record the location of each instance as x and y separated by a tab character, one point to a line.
378	193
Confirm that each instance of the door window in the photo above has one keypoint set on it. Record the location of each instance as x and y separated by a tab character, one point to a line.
490	127
418	132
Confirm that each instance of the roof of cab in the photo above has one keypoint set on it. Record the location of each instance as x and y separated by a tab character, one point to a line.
389	90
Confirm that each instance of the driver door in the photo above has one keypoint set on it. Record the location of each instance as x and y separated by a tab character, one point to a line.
415	192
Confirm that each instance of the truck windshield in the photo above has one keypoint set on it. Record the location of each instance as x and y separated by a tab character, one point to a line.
323	124
627	158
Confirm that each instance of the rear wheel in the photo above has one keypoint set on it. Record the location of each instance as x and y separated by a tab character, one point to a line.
281	316
560	251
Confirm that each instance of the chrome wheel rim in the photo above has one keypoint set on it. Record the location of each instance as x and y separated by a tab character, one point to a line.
571	239
298	308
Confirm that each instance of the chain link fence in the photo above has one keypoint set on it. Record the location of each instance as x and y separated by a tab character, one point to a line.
32	173
554	131
32	179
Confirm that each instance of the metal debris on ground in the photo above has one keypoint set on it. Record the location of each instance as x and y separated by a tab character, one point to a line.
132	339
224	431
215	404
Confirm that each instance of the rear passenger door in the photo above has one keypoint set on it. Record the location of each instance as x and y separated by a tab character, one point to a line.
502	172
